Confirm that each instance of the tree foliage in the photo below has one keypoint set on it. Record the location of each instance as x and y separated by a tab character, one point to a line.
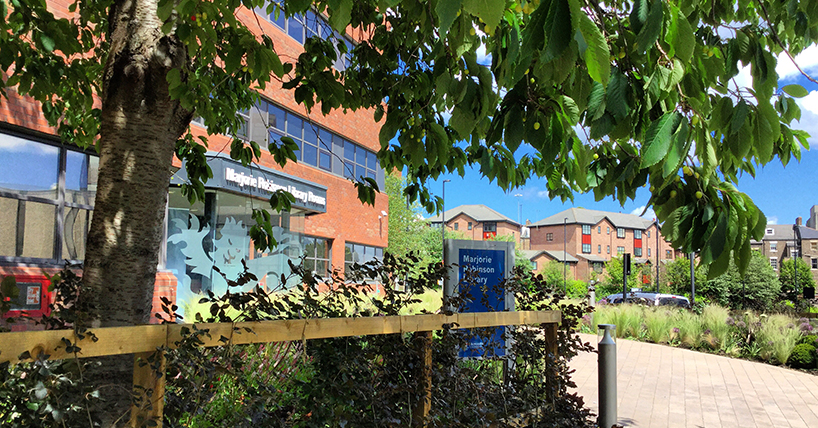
677	277
757	288
644	80
612	280
790	288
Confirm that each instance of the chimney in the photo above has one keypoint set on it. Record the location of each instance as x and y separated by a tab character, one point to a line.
798	221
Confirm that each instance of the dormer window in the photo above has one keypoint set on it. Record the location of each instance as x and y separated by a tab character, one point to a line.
769	231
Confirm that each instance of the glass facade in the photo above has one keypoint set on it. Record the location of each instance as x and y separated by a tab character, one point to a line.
207	243
46	200
358	253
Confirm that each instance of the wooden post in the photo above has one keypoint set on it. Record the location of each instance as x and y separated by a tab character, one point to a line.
423	341
550	330
149	388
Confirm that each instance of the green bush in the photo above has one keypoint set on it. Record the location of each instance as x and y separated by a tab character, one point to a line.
802	357
810	339
576	289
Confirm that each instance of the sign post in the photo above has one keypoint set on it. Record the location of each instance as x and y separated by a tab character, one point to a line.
476	271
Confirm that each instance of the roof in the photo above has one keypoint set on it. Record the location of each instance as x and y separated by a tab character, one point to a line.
556	255
592	258
584	216
478	212
784	232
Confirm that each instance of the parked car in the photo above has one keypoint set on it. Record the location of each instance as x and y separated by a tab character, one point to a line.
650	299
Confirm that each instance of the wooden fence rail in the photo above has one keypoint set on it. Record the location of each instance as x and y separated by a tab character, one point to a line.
143	340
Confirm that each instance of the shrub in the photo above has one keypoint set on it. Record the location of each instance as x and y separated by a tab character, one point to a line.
716	330
690	329
657	324
776	337
810	339
802	356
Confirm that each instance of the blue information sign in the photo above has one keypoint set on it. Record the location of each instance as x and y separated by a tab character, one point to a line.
480	273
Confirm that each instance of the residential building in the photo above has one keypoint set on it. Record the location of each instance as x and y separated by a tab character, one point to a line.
47	189
540	258
786	241
594	237
479	223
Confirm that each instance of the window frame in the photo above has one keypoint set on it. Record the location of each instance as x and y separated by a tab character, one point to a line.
774	263
620	232
586	248
60	202
586	229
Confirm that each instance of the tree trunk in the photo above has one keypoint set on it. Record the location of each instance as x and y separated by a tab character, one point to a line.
139	128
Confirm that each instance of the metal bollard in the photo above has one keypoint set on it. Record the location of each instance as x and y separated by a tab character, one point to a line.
607	376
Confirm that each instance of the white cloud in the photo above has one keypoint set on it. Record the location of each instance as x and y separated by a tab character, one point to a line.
809	117
12	144
648	214
810	102
807	60
772	220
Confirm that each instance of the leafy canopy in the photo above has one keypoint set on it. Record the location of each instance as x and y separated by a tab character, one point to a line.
647	83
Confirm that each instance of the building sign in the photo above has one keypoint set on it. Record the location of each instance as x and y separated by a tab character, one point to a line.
481	267
260	182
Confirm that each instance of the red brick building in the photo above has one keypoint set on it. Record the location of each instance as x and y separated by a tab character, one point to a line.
47	188
594	237
479	223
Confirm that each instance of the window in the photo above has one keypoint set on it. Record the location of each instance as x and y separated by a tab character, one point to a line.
599	230
609	249
794	253
637	234
534	266
456	226
814	246
609	230
620	250
470	226
668	254
769	231
267	123
490	226
41	187
586	229
317	255
599	249
549	236
637	252
647	233
648	251
357	253
774	262
586	248
300	27
815	263
620	232
773	246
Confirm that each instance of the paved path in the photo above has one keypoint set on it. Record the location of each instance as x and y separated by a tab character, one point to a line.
661	386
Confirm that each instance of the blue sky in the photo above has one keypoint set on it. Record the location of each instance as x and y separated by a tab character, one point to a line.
782	193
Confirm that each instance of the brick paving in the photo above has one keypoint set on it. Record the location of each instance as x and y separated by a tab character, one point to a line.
661	386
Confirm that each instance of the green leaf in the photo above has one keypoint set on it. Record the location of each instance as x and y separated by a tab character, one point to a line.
796	91
652	28
678	150
685	41
490	11
639	15
446	13
617	95
766	132
597	54
557	29
340	14
48	42
657	139
739	116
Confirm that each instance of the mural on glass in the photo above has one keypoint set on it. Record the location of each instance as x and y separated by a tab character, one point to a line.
204	257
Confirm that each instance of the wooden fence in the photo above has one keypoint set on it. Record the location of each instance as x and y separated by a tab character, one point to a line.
143	341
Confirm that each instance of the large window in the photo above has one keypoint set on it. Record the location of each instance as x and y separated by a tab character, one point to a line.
586	248
586	229
620	250
774	246
774	262
46	200
300	27
317	255
358	253
637	252
620	232
637	234
317	147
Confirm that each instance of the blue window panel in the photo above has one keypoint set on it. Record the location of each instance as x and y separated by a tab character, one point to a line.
298	151
311	134
310	154
325	139
370	174
371	160
277	117
281	21
294	126
312	22
273	137
325	160
349	170
349	151
360	156
295	28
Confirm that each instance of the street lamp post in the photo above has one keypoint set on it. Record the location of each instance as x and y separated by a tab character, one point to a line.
656	222
443	226
565	253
